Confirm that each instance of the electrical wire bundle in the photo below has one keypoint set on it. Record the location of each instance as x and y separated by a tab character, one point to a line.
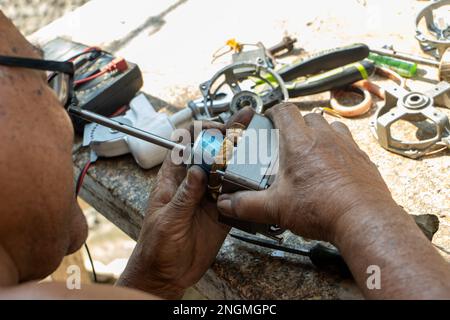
81	62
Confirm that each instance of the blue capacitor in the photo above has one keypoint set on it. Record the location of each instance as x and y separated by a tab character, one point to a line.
206	148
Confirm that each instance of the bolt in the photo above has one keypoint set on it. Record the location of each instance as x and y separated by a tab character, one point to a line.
286	44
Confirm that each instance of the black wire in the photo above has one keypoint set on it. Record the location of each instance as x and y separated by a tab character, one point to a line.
269	245
79	181
96	51
77	185
71	60
91	261
81	176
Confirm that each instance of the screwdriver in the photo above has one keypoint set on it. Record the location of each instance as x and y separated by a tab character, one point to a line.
320	255
204	149
443	65
125	128
406	56
404	68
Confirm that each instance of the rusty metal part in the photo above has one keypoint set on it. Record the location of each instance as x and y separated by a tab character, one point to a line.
286	45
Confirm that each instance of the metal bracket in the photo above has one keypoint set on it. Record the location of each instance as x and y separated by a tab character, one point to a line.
413	106
234	77
440	41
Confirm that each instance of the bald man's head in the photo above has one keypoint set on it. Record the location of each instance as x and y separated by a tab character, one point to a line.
40	220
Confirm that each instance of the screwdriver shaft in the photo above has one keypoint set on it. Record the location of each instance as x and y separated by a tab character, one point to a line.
125	128
406	56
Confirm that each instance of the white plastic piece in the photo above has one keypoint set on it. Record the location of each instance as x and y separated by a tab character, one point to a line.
146	154
111	148
143	116
181	118
108	143
104	141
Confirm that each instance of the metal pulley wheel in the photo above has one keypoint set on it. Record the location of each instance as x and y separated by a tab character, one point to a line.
237	79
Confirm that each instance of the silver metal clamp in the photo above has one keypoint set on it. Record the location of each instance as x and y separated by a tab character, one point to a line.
413	106
437	38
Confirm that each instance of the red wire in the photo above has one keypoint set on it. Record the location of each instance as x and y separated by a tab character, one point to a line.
78	187
94	76
117	64
93	48
81	177
88	164
119	111
87	50
73	58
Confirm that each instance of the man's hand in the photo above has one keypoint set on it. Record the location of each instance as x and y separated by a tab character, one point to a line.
322	176
181	234
327	188
180	237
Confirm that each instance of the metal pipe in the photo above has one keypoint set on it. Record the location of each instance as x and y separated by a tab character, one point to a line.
125	128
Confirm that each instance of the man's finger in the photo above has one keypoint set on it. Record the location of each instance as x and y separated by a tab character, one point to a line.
167	182
255	206
344	131
170	172
317	122
291	127
286	116
191	191
205	125
341	128
243	117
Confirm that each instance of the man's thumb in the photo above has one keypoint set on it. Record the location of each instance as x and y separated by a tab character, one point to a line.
248	205
191	191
